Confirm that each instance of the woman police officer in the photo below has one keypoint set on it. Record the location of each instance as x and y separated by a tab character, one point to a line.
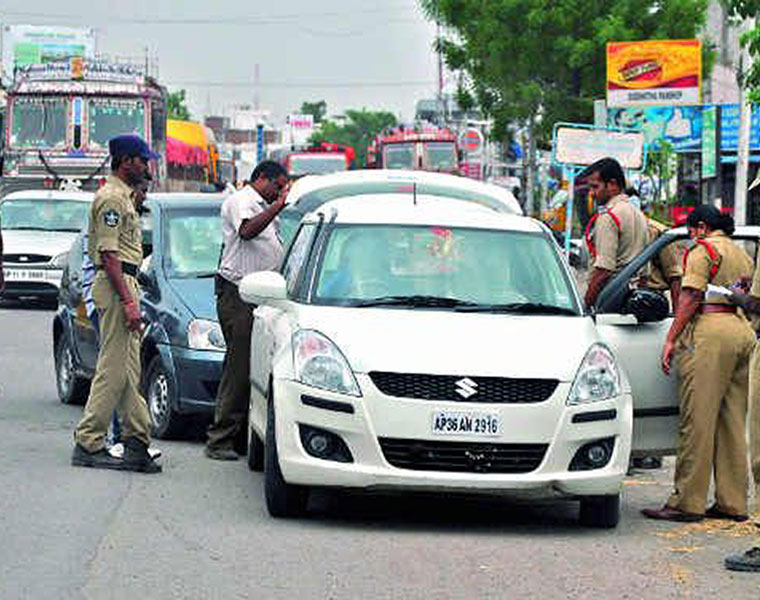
712	344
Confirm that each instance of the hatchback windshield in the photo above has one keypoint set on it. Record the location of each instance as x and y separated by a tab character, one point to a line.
43	214
399	156
193	243
109	118
455	267
39	123
317	164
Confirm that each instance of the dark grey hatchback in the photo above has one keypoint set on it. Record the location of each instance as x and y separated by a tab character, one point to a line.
182	345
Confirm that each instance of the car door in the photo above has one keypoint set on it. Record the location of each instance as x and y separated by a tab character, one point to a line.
638	347
271	325
85	336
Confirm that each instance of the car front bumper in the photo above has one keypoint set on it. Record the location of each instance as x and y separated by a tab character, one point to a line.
376	417
30	281
197	373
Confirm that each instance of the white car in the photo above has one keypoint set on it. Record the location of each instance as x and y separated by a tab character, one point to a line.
38	228
437	345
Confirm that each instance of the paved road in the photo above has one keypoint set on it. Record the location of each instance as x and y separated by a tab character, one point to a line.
200	529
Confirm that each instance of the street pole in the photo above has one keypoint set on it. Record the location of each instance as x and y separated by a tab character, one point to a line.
742	153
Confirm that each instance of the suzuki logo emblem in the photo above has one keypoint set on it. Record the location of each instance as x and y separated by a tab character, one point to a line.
466	387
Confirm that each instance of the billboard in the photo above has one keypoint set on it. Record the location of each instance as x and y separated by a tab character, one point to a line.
25	45
654	72
580	146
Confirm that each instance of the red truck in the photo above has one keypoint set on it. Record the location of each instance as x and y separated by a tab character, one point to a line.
415	148
320	159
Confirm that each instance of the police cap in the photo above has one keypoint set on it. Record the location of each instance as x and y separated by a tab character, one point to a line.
130	145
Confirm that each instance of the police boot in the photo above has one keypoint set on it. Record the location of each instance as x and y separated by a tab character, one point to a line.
136	457
95	460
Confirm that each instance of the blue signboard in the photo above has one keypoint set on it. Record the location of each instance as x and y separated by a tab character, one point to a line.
259	143
682	125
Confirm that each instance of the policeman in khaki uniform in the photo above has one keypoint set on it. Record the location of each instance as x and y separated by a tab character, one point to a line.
712	343
618	232
665	269
115	246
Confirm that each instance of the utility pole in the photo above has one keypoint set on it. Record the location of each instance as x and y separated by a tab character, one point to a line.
440	74
742	152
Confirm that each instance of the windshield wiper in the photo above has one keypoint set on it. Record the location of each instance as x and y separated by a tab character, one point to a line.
416	301
532	308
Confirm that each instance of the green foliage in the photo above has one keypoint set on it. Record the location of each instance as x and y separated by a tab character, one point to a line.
176	107
748	9
318	110
661	169
359	130
545	60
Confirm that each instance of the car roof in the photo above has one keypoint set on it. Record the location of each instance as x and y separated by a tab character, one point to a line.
172	200
310	183
48	195
396	209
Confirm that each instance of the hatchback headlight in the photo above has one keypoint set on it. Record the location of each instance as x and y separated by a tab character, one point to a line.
205	335
597	379
318	363
59	261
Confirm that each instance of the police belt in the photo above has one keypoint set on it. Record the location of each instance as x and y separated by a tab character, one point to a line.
126	268
717	308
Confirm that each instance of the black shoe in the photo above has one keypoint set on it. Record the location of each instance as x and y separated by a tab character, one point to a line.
749	561
137	458
716	513
221	453
100	459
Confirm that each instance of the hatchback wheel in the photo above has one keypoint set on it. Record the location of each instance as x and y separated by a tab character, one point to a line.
161	397
72	389
602	512
283	499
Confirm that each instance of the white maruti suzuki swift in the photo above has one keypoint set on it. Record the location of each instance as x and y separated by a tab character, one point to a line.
420	343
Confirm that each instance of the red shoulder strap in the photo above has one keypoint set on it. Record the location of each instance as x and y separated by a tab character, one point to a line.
712	253
590	230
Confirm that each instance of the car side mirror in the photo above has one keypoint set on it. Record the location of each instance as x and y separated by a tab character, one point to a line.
648	306
264	287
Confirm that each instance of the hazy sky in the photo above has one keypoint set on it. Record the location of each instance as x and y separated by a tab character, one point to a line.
351	53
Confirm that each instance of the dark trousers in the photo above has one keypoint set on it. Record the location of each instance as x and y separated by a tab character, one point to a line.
231	414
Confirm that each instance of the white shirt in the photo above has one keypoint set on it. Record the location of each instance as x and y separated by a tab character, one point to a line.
241	257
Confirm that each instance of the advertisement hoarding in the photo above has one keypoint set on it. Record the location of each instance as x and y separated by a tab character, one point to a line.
584	146
25	45
654	72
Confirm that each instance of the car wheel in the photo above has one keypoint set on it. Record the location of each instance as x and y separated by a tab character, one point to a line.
600	511
255	451
72	389
283	499
161	397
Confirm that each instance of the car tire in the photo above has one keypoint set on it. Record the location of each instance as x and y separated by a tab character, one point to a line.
72	389
161	398
283	499
255	451
602	512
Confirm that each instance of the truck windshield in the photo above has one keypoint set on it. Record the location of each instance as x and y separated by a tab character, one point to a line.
109	118
316	164
399	156
441	156
39	123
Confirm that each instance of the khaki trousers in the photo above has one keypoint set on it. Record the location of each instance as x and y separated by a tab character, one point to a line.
754	416
231	413
713	364
116	384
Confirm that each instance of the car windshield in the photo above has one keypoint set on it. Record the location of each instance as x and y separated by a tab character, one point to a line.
193	242
461	268
109	118
441	156
317	164
43	214
39	123
399	156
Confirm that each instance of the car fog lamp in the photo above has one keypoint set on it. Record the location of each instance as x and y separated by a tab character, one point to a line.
597	455
319	444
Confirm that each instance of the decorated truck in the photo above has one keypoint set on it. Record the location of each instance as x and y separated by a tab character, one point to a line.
60	116
318	159
421	148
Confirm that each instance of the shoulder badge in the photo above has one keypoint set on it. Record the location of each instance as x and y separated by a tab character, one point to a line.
111	218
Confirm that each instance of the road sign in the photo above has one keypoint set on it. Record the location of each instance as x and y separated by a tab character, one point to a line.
472	140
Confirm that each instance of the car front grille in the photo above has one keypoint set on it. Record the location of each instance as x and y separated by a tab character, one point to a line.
464	457
26	259
495	390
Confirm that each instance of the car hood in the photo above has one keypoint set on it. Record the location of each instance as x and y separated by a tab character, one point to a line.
197	295
24	241
441	342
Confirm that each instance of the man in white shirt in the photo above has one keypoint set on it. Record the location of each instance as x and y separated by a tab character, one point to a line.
250	243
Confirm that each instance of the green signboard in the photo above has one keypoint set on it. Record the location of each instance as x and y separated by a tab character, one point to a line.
709	142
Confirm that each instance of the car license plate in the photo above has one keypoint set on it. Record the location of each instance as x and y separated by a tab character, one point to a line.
466	423
23	274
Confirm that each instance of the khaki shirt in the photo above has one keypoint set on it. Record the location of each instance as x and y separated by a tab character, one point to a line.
615	248
114	224
241	257
668	264
734	264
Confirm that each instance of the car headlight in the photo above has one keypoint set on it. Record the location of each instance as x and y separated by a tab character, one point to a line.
59	261
318	363
597	379
205	335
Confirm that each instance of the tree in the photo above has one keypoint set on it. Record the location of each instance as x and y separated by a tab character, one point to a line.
176	107
533	63
318	110
358	131
750	39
